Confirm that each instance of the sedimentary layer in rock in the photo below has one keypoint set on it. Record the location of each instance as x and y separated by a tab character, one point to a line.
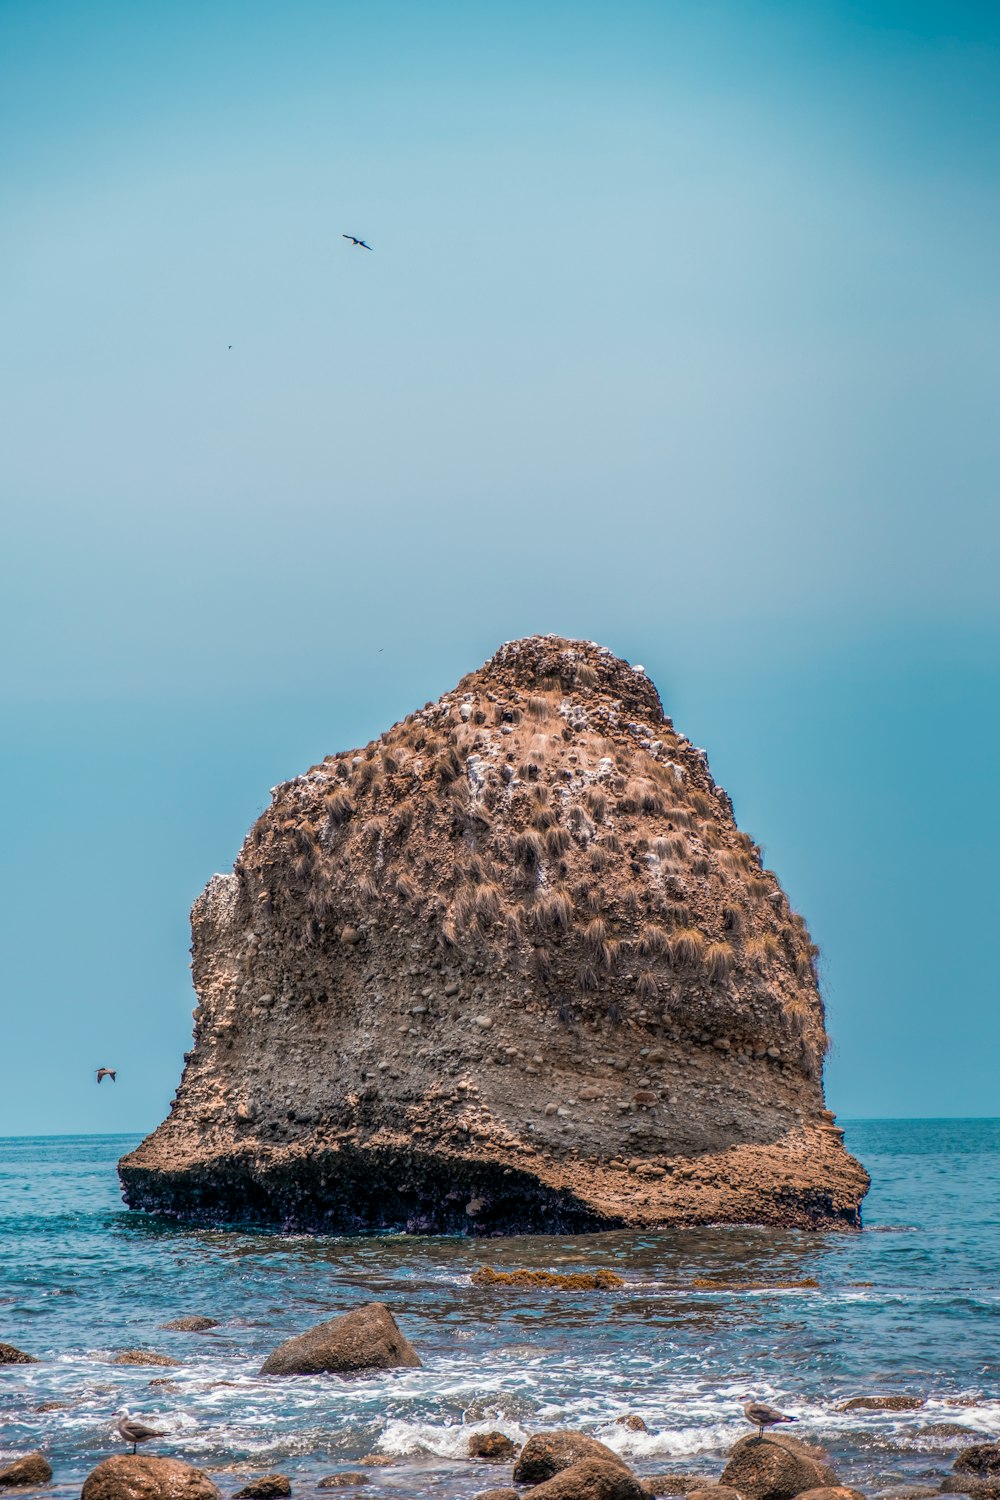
510	967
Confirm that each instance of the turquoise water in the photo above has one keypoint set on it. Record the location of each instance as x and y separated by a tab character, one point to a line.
911	1306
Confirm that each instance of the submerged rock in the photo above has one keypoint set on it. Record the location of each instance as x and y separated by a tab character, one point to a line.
33	1468
190	1324
267	1487
144	1357
510	967
348	1479
765	1469
10	1355
368	1338
548	1453
883	1403
134	1477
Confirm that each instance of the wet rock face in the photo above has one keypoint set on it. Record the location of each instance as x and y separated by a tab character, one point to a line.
132	1477
548	1453
592	1479
32	1469
10	1355
510	968
366	1339
765	1469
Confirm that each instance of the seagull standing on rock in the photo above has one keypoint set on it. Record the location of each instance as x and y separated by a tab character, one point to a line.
760	1416
136	1432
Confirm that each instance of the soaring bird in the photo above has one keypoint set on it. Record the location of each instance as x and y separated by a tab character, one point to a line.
103	1073
136	1432
355	241
761	1416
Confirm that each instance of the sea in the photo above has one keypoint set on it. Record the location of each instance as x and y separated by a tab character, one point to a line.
910	1306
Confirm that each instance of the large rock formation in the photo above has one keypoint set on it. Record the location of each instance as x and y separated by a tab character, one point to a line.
510	967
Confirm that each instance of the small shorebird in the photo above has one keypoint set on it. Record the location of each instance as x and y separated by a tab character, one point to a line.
761	1416
136	1432
103	1073
355	241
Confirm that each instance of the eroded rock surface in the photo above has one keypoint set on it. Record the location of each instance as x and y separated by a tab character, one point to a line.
510	967
548	1453
32	1469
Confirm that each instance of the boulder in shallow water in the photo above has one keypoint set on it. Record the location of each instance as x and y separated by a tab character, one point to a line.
131	1476
592	1479
349	1479
267	1487
10	1355
633	1422
193	1323
366	1339
497	1495
982	1459
548	1453
496	1446
763	1469
33	1468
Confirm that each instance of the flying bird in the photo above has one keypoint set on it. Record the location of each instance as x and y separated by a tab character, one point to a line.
103	1073
136	1432
761	1416
355	241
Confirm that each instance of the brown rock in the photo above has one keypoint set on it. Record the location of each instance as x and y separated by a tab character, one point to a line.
496	1495
833	1492
33	1468
982	1459
592	1479
144	1357
883	1403
547	1453
715	1492
134	1477
347	1480
763	1469
491	1445
674	1484
191	1324
267	1487
632	1422
367	1338
549	770
565	1281
969	1484
9	1355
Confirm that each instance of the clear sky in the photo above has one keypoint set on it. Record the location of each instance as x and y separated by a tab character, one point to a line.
680	333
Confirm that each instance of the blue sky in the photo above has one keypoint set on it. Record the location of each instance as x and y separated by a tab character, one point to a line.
680	333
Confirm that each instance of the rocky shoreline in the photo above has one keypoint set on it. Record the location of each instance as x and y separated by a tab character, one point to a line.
559	1464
